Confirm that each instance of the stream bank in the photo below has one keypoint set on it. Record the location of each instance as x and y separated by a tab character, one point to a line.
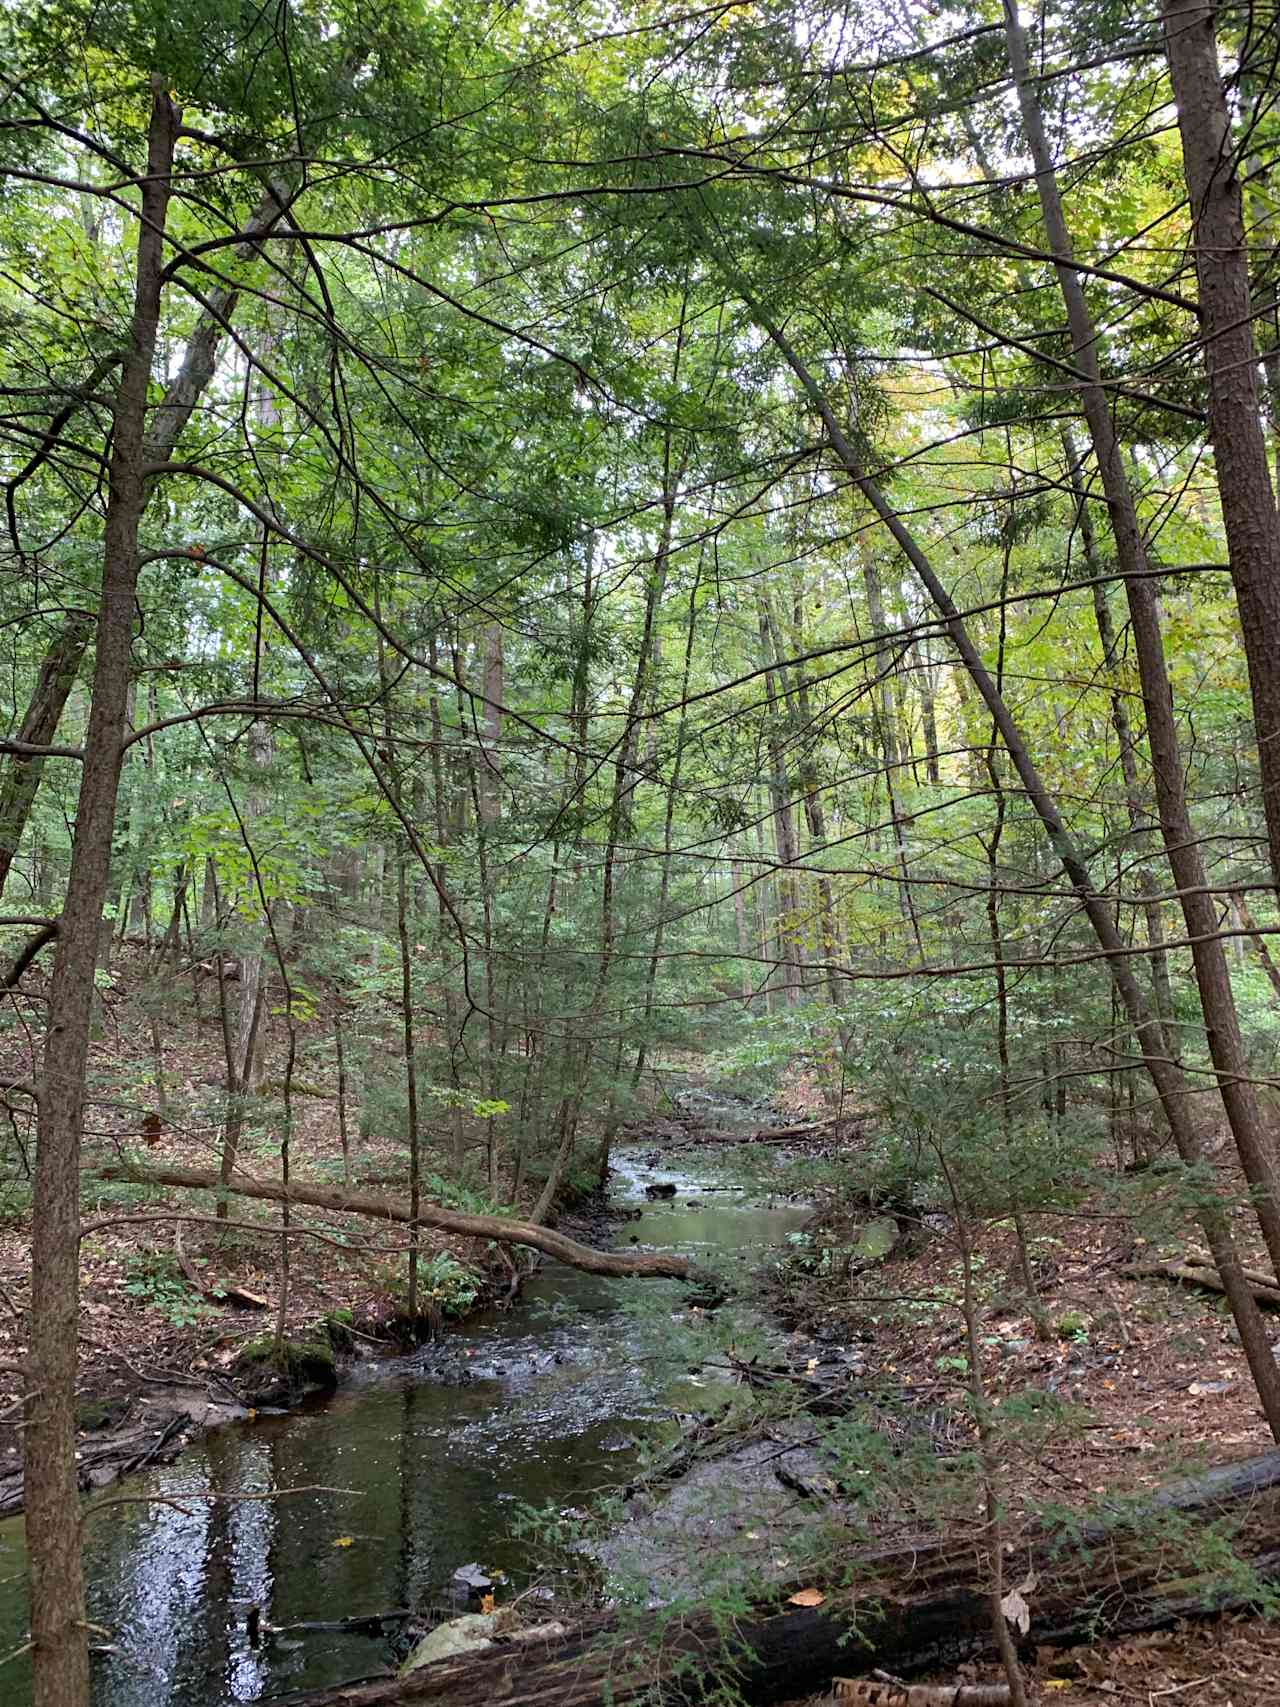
417	1466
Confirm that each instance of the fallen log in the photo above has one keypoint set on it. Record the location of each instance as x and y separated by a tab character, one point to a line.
647	1264
1259	1276
795	1134
859	1693
904	1610
1195	1274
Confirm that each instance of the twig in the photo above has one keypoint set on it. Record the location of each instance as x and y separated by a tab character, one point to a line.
211	1499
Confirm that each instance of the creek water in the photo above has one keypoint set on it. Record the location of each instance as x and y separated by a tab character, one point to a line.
544	1403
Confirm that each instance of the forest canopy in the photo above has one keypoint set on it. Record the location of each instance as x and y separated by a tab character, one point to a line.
550	539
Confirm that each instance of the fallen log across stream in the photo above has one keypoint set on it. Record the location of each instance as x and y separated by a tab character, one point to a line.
797	1133
906	1610
644	1264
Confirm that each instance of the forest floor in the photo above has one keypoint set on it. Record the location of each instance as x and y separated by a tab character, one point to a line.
1230	1661
158	1362
1152	1370
1153	1373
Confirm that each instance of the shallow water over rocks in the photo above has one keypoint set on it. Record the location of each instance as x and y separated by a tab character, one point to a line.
414	1468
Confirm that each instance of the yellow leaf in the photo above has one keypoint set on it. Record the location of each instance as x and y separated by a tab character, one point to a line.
486	1603
343	1540
807	1597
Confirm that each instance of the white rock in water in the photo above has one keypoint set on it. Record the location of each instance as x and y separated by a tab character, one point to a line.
458	1636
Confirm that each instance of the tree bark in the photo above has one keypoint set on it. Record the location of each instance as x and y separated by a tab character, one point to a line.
1231	367
60	1660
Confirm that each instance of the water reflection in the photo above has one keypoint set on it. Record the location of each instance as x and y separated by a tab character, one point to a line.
527	1406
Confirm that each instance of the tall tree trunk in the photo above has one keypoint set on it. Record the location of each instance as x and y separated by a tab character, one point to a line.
1135	804
489	770
248	1027
486	816
811	790
1231	366
60	1660
767	908
740	922
344	1139
445	919
787	850
664	883
928	712
1169	1082
410	1076
625	781
886	720
1226	1047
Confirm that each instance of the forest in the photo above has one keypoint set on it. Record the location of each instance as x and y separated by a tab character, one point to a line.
661	613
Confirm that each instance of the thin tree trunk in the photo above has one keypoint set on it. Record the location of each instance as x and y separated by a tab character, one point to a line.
22	772
928	713
1135	805
440	807
252	988
237	1051
486	806
60	1659
787	851
286	1166
989	1470
168	949
410	1076
664	884
740	922
811	790
1258	942
1226	1047
767	905
489	771
887	729
1168	1079
343	1128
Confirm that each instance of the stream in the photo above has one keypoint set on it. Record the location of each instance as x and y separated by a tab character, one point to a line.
545	1403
